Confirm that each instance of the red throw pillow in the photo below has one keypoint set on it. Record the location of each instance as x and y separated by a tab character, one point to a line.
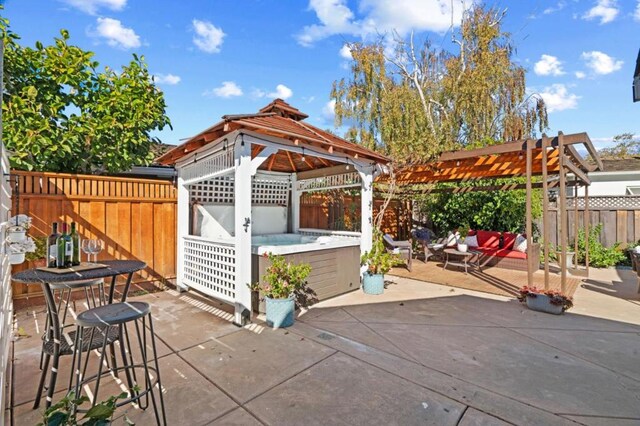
508	240
489	239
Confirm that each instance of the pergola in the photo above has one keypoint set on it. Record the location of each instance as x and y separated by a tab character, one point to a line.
544	157
258	163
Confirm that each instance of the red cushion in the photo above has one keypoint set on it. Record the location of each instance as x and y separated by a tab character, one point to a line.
489	239
471	233
512	254
508	240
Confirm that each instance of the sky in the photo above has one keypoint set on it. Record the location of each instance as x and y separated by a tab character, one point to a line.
217	57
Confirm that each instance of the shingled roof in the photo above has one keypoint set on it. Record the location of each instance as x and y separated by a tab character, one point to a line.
280	119
621	164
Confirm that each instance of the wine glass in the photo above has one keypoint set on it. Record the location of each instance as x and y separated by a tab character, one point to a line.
96	246
86	248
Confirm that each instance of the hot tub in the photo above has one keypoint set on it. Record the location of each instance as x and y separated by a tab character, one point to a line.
334	260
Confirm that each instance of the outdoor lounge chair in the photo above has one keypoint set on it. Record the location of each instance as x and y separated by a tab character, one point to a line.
402	248
431	247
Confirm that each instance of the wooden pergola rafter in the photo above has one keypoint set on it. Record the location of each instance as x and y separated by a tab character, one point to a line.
544	157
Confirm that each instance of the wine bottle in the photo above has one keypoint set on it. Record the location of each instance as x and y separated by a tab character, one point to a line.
75	239
65	248
52	246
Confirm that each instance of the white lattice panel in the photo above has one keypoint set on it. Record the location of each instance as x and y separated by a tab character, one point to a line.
210	267
208	166
266	190
341	180
608	202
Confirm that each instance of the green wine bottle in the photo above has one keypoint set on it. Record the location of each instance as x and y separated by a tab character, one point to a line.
52	247
65	248
75	239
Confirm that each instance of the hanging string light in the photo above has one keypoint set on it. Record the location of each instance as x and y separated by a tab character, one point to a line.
303	154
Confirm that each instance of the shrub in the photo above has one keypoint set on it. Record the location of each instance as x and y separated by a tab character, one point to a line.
282	278
378	260
599	255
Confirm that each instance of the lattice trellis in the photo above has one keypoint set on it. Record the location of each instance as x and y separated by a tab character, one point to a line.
208	166
617	202
341	180
266	190
210	267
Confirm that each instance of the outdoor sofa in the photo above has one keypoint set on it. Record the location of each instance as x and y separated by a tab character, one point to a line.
497	249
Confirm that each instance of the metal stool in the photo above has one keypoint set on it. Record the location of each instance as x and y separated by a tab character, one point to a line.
60	343
116	316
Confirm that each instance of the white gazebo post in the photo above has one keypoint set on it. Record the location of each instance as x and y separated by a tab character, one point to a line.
242	192
366	200
182	230
295	204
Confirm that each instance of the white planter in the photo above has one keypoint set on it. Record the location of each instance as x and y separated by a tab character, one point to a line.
16	236
569	260
16	258
463	247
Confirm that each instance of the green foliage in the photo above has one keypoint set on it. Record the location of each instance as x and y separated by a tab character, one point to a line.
599	255
41	249
487	210
378	260
421	101
64	413
62	114
282	278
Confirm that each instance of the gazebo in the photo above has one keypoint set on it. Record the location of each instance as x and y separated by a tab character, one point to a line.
239	186
546	157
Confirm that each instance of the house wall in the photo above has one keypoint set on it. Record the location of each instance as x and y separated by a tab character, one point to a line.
610	184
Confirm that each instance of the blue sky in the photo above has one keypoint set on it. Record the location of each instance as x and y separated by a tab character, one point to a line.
223	57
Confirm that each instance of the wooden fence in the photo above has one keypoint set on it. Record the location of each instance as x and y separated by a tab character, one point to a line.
343	213
136	218
619	216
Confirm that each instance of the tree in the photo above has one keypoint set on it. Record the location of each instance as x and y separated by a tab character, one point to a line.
626	146
62	114
414	104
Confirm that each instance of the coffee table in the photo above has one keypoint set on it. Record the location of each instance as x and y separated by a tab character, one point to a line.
462	259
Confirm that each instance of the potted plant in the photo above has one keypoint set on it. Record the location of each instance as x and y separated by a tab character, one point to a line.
462	245
18	250
39	256
550	301
279	286
17	231
378	262
65	413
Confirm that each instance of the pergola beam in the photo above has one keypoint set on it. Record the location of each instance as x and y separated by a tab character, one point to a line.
577	172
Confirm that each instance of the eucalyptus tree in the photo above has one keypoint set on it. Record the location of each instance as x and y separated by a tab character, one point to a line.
412	103
63	113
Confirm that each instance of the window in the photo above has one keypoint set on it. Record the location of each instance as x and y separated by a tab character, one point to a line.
633	190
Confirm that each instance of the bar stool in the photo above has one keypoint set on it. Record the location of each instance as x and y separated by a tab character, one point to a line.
62	296
117	316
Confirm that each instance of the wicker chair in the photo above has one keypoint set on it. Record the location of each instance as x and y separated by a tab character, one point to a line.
402	248
430	247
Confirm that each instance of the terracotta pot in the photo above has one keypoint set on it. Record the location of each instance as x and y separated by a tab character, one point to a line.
39	263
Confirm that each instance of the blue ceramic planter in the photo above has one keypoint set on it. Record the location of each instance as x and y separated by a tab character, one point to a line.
373	283
541	303
280	312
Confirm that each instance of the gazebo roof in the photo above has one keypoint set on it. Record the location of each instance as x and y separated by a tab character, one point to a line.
282	120
504	160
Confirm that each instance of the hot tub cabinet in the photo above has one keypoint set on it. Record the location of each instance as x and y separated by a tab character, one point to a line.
334	265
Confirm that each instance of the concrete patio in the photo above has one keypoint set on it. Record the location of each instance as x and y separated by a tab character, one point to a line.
419	354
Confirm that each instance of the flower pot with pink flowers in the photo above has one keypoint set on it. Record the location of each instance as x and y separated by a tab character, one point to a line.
279	286
549	301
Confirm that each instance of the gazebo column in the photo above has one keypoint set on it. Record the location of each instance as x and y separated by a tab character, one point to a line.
295	204
545	209
562	201
182	228
366	207
242	193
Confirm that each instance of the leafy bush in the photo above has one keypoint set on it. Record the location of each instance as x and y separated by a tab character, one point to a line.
599	255
488	210
378	260
282	278
64	413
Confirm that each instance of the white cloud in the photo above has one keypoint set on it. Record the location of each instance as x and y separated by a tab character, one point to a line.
557	8
557	98
282	92
329	110
345	52
601	63
380	16
228	89
580	74
548	65
636	14
605	10
92	6
169	79
117	35
208	37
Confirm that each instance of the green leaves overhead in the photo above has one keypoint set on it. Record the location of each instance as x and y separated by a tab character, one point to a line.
62	114
415	103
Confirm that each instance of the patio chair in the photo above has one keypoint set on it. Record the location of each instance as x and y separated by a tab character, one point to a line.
402	248
430	246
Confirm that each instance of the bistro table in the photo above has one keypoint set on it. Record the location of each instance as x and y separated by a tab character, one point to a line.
112	269
463	259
